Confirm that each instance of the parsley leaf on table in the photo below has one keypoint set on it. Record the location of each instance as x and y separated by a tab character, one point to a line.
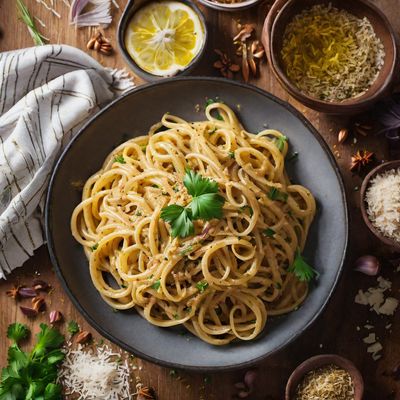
32	375
73	327
303	271
16	332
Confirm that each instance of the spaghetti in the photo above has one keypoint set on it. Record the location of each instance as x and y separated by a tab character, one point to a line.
223	281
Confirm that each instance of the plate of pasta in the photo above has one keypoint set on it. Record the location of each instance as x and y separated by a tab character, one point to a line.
205	225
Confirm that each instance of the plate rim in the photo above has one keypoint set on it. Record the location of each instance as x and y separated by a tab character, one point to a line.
94	324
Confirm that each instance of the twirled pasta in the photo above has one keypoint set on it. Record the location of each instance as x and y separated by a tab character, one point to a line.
118	223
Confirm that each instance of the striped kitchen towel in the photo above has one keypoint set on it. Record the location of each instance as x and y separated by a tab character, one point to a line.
46	94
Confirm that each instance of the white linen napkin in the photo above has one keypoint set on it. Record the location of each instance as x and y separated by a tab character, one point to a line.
46	94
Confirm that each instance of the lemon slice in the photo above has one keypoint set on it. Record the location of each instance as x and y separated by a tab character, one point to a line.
164	37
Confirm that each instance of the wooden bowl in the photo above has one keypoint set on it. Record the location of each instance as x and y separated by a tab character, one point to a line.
283	11
378	170
319	361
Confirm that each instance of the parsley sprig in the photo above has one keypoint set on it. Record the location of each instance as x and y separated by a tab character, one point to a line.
206	204
32	375
301	269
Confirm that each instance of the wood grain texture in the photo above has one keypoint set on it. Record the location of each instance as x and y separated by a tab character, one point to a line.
334	332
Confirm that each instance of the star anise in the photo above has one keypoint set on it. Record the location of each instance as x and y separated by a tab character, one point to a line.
14	292
360	160
225	66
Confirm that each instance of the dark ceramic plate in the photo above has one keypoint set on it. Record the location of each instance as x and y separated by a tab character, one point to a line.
133	114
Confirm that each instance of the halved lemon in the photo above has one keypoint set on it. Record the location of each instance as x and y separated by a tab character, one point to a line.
164	37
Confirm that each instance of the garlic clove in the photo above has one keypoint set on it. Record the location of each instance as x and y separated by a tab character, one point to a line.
368	265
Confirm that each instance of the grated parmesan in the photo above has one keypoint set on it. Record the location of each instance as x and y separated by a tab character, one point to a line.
329	382
95	374
383	199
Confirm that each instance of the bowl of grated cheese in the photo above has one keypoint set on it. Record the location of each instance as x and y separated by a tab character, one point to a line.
380	203
337	56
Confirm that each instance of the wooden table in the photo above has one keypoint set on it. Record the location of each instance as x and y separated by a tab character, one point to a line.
334	332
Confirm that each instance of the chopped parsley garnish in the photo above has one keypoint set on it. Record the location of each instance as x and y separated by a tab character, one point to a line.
173	373
303	271
72	327
269	232
293	156
187	309
124	286
144	147
32	375
280	142
94	247
206	204
186	250
202	286
276	194
278	285
156	285
244	208
120	159
176	316
231	154
211	101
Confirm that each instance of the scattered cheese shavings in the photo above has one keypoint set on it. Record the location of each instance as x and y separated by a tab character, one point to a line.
375	298
374	348
389	306
95	374
371	338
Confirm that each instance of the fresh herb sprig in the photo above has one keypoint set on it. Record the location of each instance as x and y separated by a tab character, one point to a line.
32	375
206	204
301	269
27	19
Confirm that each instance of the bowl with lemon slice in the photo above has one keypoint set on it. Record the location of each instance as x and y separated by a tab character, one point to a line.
163	38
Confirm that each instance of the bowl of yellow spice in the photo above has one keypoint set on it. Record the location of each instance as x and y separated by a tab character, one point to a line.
325	377
333	56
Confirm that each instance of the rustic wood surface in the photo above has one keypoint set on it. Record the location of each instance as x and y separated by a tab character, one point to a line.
334	332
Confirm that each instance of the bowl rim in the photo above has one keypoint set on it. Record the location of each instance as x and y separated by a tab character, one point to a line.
229	6
132	7
325	359
364	186
363	100
98	327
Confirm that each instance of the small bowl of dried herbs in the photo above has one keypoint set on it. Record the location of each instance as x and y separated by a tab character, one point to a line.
333	56
327	376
